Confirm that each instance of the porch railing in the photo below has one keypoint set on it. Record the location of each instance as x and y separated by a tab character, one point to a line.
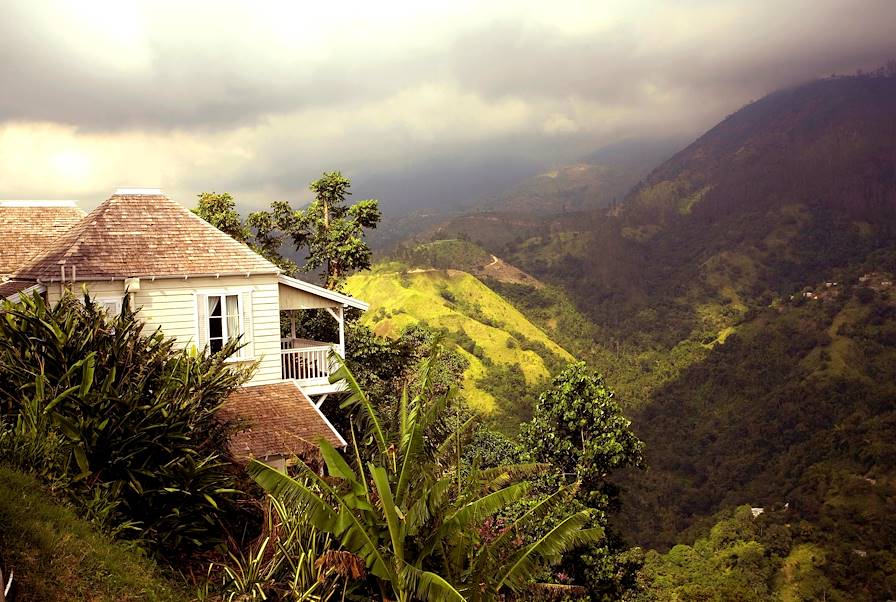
306	363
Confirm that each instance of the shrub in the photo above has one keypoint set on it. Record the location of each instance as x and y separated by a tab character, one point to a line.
130	419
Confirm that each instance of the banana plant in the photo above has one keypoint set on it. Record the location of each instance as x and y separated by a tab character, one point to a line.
416	516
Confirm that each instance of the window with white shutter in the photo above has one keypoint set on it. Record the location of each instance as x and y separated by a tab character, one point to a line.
248	350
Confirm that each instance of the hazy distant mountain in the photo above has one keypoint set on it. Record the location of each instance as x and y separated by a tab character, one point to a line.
596	181
827	144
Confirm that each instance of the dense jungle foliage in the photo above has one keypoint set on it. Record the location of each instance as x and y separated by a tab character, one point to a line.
120	420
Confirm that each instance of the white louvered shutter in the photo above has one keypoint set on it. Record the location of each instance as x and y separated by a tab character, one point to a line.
248	350
201	321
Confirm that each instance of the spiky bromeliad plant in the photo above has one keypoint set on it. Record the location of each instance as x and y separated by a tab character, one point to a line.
422	522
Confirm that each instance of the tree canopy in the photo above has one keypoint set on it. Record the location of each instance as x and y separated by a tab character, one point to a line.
219	209
579	428
328	233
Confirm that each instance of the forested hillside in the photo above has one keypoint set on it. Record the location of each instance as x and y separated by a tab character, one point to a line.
795	410
772	199
740	303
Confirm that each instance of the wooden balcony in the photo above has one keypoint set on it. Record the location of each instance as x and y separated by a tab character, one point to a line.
307	361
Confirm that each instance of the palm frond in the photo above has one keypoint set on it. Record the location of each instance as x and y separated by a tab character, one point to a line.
517	528
564	536
447	448
500	476
357	396
409	465
387	505
427	504
342	523
429	586
294	493
485	506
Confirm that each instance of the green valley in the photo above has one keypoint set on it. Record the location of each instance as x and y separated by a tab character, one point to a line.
740	303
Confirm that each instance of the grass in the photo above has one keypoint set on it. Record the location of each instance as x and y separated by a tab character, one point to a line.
840	358
452	253
460	304
57	556
687	204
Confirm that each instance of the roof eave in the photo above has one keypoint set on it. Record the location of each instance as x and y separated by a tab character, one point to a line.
16	297
79	278
322	292
322	416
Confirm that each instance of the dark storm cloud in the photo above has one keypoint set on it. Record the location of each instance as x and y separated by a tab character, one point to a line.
186	84
767	45
424	110
197	83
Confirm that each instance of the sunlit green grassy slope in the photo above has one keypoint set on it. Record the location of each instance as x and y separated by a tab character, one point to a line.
484	327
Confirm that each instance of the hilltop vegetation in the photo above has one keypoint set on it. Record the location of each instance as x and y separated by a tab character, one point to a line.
509	357
747	557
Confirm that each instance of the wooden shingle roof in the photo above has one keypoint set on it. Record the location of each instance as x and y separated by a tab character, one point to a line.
12	288
280	422
27	228
142	235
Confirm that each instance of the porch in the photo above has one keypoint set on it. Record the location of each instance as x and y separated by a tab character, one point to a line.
307	361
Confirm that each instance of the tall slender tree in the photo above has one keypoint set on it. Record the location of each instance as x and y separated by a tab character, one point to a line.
329	232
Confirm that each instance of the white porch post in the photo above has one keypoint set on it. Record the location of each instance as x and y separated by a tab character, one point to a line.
292	323
341	318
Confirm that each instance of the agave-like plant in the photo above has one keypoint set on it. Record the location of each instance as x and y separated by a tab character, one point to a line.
133	414
427	527
292	559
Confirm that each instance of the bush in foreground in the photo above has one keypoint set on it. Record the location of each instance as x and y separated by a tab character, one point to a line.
122	420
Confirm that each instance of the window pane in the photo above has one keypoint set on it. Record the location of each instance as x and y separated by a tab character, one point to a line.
233	316
215	322
214	306
215	344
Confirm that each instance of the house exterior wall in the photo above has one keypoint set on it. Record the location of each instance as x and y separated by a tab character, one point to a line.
170	303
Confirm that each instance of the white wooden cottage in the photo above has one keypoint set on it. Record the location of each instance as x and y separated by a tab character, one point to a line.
199	286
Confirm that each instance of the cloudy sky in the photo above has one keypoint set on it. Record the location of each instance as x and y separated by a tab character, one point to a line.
420	105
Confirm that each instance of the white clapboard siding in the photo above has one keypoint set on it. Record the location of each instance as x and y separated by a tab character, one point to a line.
170	303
